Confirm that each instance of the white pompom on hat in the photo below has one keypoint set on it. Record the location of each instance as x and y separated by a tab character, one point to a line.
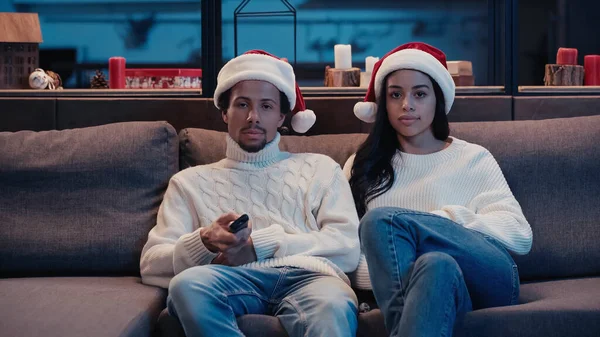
262	66
416	56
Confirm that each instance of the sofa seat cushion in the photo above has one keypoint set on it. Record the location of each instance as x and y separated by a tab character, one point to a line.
79	306
552	309
251	325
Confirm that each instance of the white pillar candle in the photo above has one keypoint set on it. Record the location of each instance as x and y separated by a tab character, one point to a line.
370	63
343	56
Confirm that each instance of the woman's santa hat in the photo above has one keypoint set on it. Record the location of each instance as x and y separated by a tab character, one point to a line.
416	56
262	66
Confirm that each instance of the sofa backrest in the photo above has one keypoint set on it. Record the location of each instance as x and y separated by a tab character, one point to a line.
552	167
81	201
200	146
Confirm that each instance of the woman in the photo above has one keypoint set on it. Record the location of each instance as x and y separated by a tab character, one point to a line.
437	216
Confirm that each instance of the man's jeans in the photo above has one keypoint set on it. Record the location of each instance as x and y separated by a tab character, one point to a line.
207	300
427	270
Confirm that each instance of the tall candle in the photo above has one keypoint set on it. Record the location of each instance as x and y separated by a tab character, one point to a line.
343	56
370	63
116	72
591	64
566	56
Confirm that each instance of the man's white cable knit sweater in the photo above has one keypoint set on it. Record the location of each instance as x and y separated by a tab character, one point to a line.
300	206
462	182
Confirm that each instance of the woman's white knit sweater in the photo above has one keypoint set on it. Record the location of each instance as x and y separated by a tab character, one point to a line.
462	182
300	206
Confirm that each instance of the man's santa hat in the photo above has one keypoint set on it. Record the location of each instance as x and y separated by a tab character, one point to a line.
262	66
416	56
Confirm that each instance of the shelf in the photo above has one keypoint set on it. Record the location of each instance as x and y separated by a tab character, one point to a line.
574	90
195	93
131	93
480	90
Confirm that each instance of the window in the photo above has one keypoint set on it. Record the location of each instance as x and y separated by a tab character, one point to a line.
460	28
81	35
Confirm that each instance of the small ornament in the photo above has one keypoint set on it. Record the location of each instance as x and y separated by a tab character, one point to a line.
57	81
566	71
591	65
342	77
116	72
99	81
40	79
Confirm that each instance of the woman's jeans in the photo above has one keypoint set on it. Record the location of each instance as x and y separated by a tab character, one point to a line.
427	270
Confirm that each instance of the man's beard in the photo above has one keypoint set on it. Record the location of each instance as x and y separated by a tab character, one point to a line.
253	148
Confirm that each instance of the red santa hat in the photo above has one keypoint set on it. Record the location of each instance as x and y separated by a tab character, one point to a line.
416	56
262	66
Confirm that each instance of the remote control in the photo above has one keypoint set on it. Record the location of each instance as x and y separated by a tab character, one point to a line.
239	224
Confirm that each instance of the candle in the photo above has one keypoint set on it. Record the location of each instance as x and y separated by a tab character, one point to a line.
370	63
116	72
591	64
343	56
566	56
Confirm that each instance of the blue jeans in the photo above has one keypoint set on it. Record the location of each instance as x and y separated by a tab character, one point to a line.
207	300
427	271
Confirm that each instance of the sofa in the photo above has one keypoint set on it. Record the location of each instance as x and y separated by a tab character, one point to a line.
76	206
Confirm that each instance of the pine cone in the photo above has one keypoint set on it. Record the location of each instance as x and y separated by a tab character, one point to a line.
99	81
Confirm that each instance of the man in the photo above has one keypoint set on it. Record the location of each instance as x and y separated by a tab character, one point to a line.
302	236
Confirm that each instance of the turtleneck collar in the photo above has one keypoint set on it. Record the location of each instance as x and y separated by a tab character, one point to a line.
269	155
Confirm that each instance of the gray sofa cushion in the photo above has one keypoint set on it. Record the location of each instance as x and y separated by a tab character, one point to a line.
82	201
553	309
552	166
369	324
553	169
200	146
250	325
79	306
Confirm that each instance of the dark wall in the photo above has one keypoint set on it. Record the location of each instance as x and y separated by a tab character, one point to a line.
583	17
537	39
546	25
